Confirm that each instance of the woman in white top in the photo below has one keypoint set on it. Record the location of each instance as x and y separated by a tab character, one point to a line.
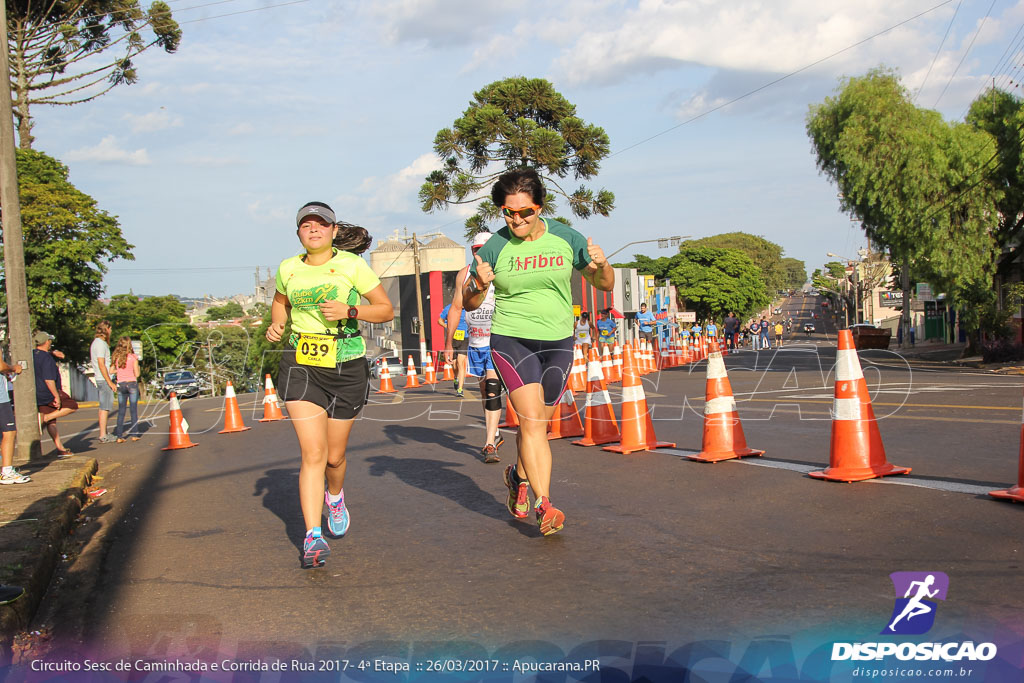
585	334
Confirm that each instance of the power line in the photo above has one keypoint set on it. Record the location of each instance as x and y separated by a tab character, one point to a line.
967	52
939	50
781	78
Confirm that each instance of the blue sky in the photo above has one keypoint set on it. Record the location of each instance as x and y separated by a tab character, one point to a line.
206	159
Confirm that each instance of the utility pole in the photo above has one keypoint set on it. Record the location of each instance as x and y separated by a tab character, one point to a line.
19	323
419	300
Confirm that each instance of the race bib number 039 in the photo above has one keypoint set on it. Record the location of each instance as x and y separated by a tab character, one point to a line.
318	350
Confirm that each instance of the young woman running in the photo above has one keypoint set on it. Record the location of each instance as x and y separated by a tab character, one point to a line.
323	374
530	262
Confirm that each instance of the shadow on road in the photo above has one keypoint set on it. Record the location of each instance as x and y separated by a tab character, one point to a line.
278	488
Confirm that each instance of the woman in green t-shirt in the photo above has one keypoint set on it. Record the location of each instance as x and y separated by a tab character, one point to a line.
530	262
323	376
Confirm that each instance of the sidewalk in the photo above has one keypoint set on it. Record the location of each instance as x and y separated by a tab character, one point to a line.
35	519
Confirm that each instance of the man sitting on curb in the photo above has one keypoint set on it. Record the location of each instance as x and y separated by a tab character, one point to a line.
52	400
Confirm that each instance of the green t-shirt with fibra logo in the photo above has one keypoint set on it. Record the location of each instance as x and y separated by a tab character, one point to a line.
532	281
346	277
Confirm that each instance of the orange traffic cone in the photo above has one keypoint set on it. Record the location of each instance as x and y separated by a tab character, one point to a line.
179	428
565	422
386	386
271	408
686	351
857	451
429	374
606	365
511	419
617	362
232	415
449	372
578	374
723	432
637	428
412	380
1015	492
599	426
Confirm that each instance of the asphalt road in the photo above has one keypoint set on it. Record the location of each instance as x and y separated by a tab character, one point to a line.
195	553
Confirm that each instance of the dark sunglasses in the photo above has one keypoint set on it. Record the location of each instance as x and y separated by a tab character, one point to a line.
522	213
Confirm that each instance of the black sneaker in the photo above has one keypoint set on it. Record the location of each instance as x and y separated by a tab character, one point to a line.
498	440
490	453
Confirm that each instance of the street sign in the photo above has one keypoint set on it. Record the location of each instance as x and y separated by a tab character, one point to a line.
137	348
924	292
890	299
688	316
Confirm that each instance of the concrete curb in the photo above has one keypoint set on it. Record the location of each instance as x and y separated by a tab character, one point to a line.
48	537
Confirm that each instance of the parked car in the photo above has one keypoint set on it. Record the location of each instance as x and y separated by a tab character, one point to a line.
867	336
808	327
183	383
778	310
394	366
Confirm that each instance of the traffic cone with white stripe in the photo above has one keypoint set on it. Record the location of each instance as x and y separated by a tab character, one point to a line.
1015	492
429	373
637	427
606	365
386	385
449	372
578	375
857	452
232	414
723	432
412	380
617	362
565	422
179	428
271	408
599	426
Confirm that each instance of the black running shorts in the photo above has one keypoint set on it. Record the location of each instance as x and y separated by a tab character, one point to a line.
531	361
341	391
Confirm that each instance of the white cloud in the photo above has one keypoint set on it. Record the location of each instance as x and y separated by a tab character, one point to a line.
438	22
109	151
243	128
396	192
744	35
153	121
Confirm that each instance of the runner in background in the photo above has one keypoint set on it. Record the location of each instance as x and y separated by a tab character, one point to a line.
478	358
531	262
323	375
585	334
645	323
712	331
606	328
778	334
460	341
8	475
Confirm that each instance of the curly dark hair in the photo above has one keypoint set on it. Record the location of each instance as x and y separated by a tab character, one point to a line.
520	180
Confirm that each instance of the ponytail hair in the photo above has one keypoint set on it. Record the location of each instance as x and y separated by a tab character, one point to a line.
352	238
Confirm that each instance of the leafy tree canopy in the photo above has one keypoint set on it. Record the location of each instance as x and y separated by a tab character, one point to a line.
509	124
73	51
715	281
159	322
228	311
915	182
766	255
68	242
795	272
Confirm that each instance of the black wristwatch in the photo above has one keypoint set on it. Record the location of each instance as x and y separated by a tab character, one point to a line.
352	312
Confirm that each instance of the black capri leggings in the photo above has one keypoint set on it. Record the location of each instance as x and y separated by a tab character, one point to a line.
532	361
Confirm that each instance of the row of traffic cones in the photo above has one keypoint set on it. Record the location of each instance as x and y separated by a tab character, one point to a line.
232	416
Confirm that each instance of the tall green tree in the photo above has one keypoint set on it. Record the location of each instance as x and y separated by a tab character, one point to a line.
73	51
765	254
159	322
714	282
915	182
68	243
231	309
795	273
513	123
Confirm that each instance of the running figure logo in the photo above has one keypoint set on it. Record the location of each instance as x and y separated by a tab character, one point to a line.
914	612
